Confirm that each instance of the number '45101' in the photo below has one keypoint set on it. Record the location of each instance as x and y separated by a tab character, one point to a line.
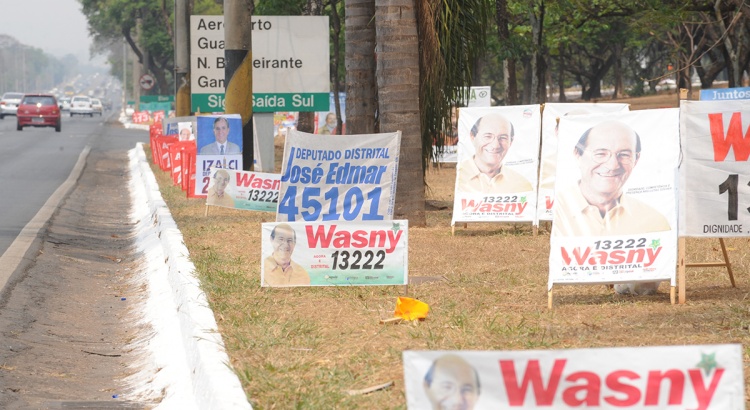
353	203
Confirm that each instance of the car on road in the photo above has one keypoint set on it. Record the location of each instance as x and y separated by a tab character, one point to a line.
65	103
38	110
9	103
97	106
81	105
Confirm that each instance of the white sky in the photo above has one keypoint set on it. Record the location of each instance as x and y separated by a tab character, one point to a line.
56	26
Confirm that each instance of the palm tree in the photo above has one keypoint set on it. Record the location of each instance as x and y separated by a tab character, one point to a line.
361	90
398	79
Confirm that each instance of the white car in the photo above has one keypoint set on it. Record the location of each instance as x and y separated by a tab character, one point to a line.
97	106
9	104
65	103
81	105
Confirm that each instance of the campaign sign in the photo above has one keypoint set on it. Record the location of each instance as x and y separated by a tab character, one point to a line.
550	119
615	212
474	97
335	253
715	169
498	155
338	177
719	94
252	191
219	140
180	126
659	377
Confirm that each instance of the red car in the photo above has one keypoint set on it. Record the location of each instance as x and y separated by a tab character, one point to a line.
38	110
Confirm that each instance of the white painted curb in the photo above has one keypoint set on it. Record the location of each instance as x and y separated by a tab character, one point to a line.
188	364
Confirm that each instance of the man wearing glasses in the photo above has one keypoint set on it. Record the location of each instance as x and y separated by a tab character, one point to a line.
606	154
492	136
279	269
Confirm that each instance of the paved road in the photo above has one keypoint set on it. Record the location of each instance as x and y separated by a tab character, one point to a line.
34	163
68	337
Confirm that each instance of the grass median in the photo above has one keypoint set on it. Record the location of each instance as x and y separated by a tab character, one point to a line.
487	290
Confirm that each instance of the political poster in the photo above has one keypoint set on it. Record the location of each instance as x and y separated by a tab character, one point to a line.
551	115
334	253
498	155
327	121
723	94
474	97
248	190
176	125
338	178
654	377
219	139
715	169
615	212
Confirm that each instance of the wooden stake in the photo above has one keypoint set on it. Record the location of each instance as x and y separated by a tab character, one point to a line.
681	269
549	299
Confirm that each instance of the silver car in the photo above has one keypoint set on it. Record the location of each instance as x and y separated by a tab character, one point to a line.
9	104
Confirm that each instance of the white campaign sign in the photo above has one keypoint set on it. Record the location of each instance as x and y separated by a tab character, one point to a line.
661	377
715	169
338	177
335	253
550	116
615	212
482	194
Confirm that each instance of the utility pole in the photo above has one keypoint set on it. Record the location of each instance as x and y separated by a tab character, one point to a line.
137	68
182	58
238	70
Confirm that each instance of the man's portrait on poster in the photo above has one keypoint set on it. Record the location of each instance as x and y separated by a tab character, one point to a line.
492	137
596	205
279	268
221	145
217	194
452	383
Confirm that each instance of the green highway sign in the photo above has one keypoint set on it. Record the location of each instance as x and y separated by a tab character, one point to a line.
266	102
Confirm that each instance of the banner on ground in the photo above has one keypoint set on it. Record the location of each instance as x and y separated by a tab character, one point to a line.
219	139
659	377
252	191
715	169
498	155
334	254
551	114
615	212
339	177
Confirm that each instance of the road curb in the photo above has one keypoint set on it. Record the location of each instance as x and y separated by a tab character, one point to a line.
190	363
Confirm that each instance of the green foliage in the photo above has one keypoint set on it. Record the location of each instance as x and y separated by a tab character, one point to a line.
459	30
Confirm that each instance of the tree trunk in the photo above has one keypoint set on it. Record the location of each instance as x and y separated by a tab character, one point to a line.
398	79
528	80
561	75
510	95
618	72
361	87
335	61
306	120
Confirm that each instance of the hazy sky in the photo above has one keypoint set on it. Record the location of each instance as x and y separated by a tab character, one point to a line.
56	26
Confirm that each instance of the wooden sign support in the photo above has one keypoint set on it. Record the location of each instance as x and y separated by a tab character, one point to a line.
682	265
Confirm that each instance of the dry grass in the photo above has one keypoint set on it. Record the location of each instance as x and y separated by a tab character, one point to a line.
304	347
